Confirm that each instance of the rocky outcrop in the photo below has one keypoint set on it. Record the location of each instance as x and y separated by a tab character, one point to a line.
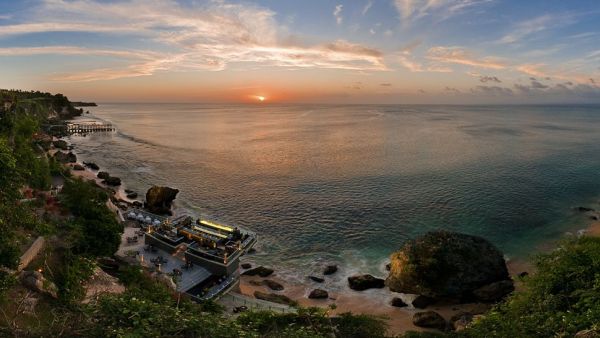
592	333
446	264
35	281
316	279
259	271
91	165
330	270
398	302
246	265
460	321
159	199
103	175
430	320
364	282
495	291
275	298
584	209
60	144
421	302
78	167
112	181
101	283
63	157
318	294
132	195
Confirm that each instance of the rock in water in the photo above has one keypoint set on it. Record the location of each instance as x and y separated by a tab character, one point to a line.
318	294
445	264
246	265
112	181
398	302
60	144
78	167
364	282
429	319
103	175
330	269
91	165
316	279
159	199
132	195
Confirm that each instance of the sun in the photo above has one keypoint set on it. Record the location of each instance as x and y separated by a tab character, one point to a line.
260	98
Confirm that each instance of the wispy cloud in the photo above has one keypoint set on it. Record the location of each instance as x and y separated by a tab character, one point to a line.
207	37
457	55
337	14
413	10
368	6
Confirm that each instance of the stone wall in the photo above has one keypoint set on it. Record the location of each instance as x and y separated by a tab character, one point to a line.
31	253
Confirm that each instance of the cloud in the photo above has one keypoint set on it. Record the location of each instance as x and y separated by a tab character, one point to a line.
485	79
538	85
460	56
413	10
492	91
337	13
385	84
192	37
527	28
368	6
452	90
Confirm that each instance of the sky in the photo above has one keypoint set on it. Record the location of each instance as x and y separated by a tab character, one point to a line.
309	51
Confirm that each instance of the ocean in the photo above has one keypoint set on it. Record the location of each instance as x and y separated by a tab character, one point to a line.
349	184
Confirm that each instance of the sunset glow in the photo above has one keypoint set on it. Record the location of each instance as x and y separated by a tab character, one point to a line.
388	51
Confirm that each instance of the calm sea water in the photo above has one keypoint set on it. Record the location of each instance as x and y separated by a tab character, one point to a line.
349	184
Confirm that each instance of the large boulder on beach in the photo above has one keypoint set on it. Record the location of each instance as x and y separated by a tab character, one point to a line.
318	294
495	291
364	282
275	298
159	199
259	271
91	165
446	264
330	269
430	320
103	175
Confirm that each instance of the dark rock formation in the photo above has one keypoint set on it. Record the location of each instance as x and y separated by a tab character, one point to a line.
584	209
159	199
78	167
445	264
523	274
246	265
330	269
132	195
421	302
364	282
318	294
112	181
273	285
429	319
260	271
137	204
388	266
495	291
275	298
316	279
103	175
65	157
460	321
91	165
35	281
60	144
398	302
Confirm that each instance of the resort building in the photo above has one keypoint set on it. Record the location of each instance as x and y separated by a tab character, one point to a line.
203	256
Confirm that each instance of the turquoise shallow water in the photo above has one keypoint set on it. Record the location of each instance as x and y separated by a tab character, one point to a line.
351	183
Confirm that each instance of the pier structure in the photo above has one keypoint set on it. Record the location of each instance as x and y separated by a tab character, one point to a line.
89	127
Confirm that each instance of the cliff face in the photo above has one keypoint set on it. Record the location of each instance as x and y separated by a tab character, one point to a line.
445	264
